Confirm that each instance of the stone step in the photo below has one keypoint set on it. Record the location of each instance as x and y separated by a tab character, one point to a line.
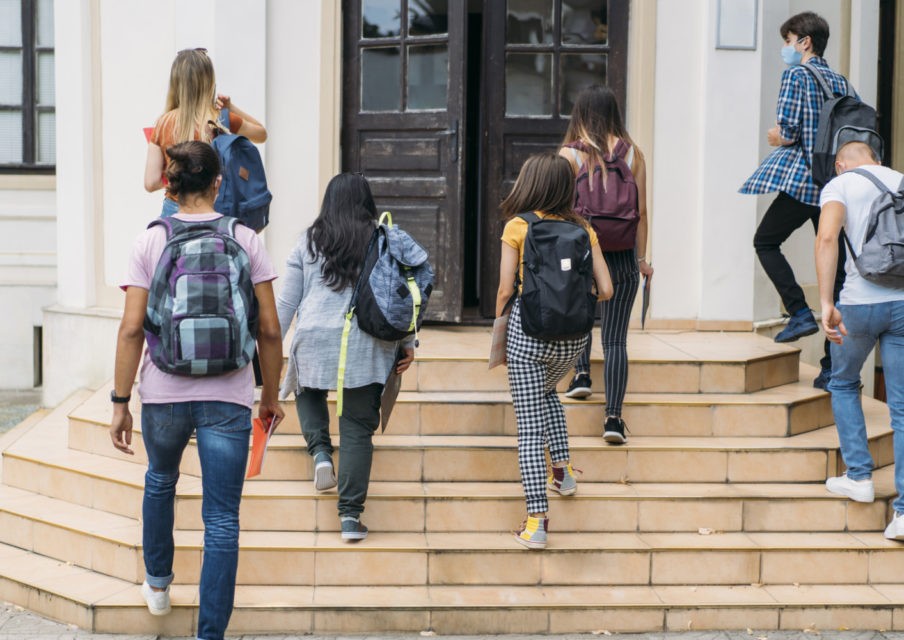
111	545
116	486
790	409
495	458
807	457
456	358
102	604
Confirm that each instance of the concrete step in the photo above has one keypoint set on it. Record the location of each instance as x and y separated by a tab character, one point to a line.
455	359
108	605
116	487
808	457
111	545
790	409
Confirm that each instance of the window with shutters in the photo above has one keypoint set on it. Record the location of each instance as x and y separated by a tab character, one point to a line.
27	100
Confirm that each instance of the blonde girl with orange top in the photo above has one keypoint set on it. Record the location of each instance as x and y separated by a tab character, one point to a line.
194	111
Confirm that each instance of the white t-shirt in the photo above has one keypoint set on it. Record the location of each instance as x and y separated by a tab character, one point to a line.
857	193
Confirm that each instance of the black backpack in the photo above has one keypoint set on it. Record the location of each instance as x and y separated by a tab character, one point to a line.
842	119
557	299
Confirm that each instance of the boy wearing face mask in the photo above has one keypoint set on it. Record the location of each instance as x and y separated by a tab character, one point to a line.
787	170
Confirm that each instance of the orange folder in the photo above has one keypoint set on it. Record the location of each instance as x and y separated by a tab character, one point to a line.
260	438
148	132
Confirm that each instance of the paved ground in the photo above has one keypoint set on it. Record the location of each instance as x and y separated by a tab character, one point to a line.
15	406
17	624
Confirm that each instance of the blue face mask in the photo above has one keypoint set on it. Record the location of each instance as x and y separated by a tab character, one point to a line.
790	55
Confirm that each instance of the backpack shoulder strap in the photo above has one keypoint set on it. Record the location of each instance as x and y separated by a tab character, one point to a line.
529	217
226	225
820	80
879	184
173	226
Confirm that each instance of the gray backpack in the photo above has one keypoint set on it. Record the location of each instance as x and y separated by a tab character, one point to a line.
881	258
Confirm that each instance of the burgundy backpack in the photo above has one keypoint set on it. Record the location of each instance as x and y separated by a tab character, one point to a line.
613	210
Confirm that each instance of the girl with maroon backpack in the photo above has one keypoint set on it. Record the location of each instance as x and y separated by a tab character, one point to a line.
610	192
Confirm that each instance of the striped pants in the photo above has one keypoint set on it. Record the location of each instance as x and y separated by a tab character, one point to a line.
534	368
616	313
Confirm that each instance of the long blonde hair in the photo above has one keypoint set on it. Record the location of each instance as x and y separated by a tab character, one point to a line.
192	95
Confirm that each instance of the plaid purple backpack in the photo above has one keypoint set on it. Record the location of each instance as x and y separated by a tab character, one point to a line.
202	315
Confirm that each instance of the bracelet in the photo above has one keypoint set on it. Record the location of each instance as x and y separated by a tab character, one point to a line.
642	259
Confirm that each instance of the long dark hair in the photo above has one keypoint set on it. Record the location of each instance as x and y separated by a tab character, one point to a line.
546	184
341	232
594	118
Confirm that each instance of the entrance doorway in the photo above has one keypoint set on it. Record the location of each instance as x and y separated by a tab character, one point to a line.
444	100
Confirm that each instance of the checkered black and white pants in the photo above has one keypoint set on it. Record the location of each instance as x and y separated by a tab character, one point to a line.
534	368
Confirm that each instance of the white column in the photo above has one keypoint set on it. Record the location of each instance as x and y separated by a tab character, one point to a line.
75	153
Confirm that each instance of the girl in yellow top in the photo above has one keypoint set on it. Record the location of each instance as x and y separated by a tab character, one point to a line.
546	187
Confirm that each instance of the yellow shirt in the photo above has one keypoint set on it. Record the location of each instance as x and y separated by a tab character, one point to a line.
516	231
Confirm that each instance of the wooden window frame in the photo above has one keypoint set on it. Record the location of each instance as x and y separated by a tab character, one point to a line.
29	107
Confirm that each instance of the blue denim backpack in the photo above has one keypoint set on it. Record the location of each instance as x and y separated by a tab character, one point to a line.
202	314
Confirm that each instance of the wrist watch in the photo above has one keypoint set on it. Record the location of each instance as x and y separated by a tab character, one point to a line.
119	399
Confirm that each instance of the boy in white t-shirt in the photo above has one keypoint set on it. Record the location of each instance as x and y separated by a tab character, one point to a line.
867	313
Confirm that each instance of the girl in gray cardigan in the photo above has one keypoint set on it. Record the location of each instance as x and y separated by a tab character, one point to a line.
320	276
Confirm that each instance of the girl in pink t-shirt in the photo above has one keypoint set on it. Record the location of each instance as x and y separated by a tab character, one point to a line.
216	409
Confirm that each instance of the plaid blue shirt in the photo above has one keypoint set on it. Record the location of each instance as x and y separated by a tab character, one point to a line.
797	114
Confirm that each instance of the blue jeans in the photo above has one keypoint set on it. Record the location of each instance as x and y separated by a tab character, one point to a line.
170	208
223	431
867	324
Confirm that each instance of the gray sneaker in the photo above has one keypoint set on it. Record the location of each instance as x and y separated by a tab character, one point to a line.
324	476
562	480
352	529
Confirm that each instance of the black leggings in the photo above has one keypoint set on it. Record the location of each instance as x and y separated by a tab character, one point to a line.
616	314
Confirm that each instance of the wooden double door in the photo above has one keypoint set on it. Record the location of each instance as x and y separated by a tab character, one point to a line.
443	100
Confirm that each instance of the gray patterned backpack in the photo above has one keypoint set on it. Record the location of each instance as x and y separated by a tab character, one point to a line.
202	314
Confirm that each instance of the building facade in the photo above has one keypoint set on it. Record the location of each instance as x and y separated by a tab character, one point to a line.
437	102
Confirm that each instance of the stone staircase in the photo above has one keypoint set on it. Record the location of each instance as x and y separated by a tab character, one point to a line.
713	516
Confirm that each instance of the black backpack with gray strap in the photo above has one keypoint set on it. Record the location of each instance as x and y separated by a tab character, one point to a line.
842	119
881	258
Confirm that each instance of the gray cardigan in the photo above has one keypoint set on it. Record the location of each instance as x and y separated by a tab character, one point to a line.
320	311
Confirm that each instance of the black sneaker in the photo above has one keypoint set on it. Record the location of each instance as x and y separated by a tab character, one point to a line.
579	387
822	380
614	431
798	327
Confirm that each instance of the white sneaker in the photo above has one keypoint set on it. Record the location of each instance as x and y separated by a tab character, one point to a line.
857	490
895	528
158	601
324	476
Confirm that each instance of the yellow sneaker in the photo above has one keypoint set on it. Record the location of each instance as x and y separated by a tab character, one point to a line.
533	533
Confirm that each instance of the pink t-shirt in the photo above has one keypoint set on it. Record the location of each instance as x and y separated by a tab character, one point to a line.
157	387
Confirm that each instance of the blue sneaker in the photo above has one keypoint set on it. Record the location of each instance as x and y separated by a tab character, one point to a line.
799	325
822	380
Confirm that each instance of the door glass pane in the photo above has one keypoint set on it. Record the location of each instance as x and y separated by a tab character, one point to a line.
529	22
428	76
10	23
528	84
45	23
381	71
381	18
585	22
10	137
579	70
45	86
428	17
46	139
10	78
